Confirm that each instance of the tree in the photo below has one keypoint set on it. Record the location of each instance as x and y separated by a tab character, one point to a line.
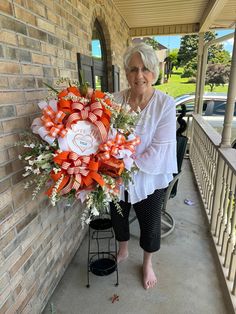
187	55
173	55
217	74
152	42
188	49
190	69
221	57
189	46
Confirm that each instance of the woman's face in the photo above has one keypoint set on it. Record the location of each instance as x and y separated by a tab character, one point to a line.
139	77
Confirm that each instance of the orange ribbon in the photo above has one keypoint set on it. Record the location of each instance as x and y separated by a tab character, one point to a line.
95	112
65	104
112	147
52	122
78	171
86	109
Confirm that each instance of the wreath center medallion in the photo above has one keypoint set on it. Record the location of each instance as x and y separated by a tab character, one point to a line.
83	138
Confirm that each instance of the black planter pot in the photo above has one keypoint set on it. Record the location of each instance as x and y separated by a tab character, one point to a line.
102	249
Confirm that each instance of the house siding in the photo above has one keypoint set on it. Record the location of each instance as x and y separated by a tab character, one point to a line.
39	42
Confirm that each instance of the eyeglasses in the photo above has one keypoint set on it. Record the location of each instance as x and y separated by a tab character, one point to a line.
137	69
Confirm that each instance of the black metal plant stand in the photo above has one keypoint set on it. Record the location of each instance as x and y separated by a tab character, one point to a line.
102	249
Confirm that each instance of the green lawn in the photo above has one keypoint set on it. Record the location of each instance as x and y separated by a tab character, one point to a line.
177	86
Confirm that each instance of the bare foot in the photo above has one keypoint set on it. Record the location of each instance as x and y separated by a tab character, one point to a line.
122	252
122	256
149	277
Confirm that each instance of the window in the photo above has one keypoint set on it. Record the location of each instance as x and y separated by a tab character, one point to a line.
219	108
99	57
95	67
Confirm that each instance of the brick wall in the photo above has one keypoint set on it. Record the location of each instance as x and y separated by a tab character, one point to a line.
38	42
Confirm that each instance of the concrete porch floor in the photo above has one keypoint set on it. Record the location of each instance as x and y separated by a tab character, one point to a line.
188	277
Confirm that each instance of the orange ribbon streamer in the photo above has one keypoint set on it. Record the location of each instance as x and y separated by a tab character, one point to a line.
78	171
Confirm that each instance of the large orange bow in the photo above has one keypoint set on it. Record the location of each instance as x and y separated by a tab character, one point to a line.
96	113
77	171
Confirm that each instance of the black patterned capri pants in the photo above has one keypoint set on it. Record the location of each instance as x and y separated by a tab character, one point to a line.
148	213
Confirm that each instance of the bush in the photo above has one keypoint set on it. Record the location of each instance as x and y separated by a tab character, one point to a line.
192	80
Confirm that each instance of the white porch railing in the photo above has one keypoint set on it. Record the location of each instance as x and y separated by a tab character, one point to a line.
215	172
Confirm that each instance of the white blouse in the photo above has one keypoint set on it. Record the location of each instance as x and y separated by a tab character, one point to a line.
156	155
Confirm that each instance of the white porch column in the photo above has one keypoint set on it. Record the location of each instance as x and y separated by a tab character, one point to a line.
203	78
199	70
231	95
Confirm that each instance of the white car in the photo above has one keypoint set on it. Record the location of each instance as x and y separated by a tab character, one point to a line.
213	109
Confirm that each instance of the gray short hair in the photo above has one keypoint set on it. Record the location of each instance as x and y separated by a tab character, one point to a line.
148	56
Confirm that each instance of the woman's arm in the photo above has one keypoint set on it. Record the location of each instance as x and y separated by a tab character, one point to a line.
160	156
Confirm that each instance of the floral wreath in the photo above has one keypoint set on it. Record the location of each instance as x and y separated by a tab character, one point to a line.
82	147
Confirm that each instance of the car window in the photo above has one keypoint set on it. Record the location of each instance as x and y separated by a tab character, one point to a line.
189	106
219	108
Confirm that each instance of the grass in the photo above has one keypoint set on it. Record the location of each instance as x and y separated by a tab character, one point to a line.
177	86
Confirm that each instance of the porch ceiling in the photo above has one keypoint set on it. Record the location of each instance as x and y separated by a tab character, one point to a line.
166	17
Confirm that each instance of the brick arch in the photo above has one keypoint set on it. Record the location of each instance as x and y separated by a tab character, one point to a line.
100	16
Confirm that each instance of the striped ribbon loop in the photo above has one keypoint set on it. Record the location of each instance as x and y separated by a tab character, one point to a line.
119	143
77	106
94	112
52	121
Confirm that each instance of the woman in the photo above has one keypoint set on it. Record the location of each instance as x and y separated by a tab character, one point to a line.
155	156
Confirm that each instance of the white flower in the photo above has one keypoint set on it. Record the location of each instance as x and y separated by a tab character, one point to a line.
20	157
32	145
36	171
94	211
27	168
28	157
127	107
56	170
88	220
40	157
26	174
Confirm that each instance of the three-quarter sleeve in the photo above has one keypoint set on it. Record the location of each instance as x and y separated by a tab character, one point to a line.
159	157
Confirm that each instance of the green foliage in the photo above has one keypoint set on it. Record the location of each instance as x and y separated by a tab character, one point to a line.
187	55
173	55
152	42
188	49
217	74
123	118
189	46
190	69
222	57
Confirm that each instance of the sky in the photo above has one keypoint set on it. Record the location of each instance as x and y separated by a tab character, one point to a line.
172	42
